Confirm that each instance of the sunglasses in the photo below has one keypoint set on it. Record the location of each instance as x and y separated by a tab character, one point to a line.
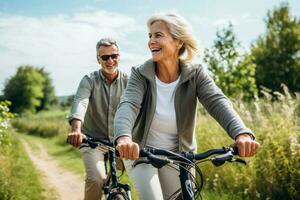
106	57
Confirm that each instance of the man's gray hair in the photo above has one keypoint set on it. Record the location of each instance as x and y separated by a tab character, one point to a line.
106	42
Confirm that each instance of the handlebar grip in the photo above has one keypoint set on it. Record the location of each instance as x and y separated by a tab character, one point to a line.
235	150
143	153
84	140
221	159
137	162
117	153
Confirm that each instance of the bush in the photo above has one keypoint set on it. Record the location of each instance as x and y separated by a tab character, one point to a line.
45	124
18	179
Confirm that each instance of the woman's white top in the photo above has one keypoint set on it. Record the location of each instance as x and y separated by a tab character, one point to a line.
163	130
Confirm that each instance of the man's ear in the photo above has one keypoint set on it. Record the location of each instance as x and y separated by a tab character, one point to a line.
98	59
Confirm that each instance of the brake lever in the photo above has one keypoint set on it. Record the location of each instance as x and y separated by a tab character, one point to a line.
217	162
238	160
155	161
87	142
221	159
84	145
141	161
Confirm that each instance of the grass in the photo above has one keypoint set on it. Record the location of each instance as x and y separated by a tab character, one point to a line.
274	173
18	177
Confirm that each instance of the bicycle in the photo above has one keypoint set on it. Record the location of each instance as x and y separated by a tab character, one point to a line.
190	186
113	190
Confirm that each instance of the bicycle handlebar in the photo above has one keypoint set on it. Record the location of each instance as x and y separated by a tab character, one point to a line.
93	143
185	161
154	155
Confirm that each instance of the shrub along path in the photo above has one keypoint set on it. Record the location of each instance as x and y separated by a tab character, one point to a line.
66	184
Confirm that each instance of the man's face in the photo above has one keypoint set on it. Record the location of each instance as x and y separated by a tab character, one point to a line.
108	57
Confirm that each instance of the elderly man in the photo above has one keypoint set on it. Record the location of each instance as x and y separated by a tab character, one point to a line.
93	112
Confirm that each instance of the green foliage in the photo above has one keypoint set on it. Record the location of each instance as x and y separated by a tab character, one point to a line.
280	136
48	91
274	173
29	90
277	52
18	179
67	101
25	89
43	124
5	115
232	71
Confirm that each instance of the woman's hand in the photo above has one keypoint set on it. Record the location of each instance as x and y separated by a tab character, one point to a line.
246	145
127	149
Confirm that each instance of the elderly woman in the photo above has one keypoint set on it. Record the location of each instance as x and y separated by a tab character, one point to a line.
158	108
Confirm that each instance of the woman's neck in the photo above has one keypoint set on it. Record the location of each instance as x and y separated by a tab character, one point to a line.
168	71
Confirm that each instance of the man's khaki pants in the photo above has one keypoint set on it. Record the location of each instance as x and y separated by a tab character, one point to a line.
93	160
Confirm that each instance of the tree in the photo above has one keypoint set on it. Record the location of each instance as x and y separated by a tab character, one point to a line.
49	97
232	70
67	101
25	89
277	53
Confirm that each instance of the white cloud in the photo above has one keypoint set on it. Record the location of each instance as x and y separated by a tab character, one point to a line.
64	44
235	20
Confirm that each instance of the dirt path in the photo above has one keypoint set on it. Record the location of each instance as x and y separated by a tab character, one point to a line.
66	184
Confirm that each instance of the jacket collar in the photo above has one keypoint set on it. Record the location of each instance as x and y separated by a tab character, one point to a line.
148	70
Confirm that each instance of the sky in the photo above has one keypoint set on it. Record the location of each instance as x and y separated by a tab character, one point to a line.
60	35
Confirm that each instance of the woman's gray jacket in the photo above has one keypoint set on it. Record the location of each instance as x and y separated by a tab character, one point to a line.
137	106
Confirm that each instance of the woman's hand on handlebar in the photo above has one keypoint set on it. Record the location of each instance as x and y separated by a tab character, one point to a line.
127	148
246	145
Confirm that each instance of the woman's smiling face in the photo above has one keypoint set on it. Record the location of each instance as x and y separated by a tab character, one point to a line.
161	43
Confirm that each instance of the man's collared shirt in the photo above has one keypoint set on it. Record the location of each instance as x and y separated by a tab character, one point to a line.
95	103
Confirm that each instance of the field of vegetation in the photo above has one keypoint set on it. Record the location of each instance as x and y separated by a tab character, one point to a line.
273	174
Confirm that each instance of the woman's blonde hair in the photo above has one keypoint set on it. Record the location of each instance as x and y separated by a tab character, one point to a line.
181	30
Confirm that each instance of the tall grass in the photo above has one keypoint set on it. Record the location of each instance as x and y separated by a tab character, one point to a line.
44	124
18	177
274	173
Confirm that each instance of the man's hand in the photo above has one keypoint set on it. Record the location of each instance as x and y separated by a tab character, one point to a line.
246	145
75	138
127	149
